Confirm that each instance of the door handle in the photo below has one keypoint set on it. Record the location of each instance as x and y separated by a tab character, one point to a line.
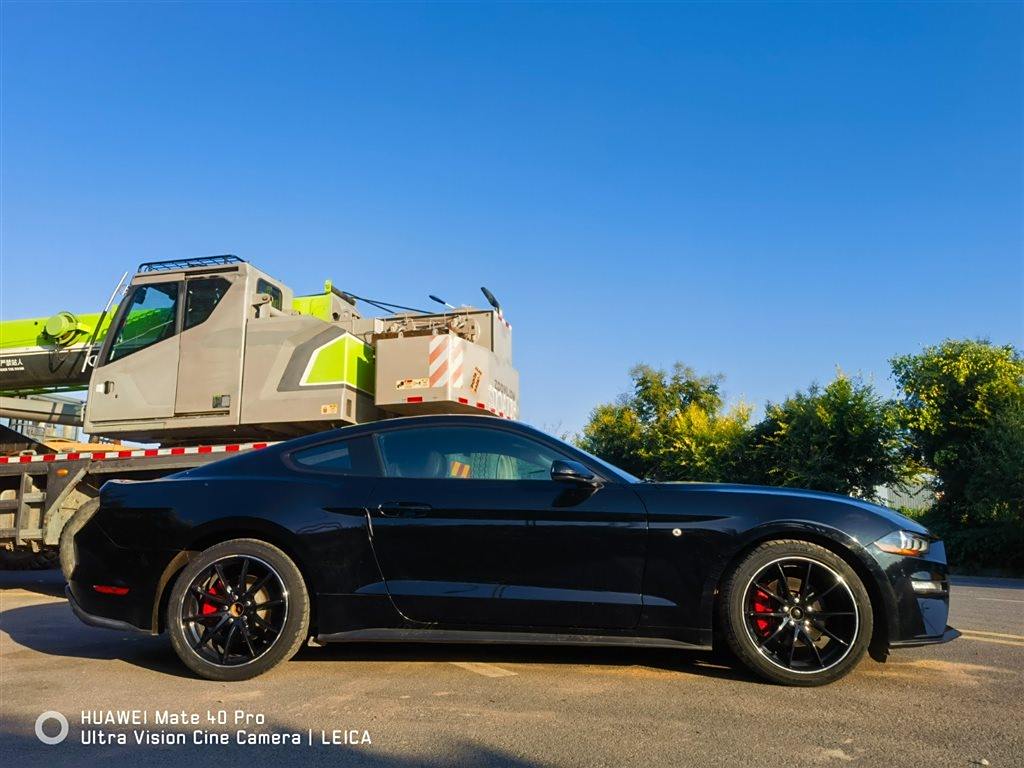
403	509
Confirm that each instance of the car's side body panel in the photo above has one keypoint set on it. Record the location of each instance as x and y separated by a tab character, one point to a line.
532	553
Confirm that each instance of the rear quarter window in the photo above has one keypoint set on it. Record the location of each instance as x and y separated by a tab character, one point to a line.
340	457
333	458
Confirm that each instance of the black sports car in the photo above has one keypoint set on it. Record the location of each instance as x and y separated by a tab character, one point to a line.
470	528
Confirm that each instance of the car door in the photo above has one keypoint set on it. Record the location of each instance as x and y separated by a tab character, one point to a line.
470	529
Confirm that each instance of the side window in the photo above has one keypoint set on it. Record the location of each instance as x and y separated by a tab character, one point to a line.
343	457
335	457
276	299
202	295
465	453
151	317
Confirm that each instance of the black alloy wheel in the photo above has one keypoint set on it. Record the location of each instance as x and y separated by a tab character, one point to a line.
801	614
237	610
796	613
234	610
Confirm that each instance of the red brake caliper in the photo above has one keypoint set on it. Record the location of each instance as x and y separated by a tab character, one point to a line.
207	607
762	605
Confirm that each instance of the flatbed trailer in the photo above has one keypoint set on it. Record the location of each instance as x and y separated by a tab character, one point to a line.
40	492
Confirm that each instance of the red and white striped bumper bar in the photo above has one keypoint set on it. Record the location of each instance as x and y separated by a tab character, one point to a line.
138	453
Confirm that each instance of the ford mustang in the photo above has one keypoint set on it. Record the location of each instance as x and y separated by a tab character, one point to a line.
475	529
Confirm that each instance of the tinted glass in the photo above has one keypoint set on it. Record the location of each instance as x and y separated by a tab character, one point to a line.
465	453
334	457
151	317
355	456
276	300
201	297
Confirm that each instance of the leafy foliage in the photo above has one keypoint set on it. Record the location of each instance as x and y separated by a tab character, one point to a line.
843	438
671	427
963	408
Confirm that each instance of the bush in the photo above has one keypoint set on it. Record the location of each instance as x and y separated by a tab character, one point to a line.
671	427
995	548
843	438
963	409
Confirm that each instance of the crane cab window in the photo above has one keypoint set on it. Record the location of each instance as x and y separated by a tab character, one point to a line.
151	317
276	299
201	298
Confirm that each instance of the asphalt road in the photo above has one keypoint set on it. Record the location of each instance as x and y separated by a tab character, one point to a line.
956	705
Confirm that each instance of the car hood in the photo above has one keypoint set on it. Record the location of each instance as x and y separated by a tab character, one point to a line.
890	515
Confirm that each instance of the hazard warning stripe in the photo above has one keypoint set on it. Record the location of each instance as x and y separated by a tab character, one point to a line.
437	360
139	453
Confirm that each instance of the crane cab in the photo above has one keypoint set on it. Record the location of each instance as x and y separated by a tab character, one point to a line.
215	348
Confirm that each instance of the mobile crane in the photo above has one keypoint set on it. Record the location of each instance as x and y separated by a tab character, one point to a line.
211	356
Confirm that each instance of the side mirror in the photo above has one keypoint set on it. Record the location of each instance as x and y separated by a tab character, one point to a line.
572	472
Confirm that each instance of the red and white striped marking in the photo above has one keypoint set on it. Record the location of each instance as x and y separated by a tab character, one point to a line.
136	453
444	357
486	407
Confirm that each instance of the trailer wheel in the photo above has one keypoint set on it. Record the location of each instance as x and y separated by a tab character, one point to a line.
67	535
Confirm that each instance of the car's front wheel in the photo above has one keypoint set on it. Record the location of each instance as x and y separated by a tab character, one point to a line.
237	610
796	613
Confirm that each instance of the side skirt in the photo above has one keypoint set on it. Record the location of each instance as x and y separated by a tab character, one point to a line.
455	636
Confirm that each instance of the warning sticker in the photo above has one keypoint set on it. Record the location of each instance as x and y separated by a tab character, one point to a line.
423	383
329	409
474	381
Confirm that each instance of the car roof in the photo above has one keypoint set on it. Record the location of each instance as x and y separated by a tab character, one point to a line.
402	422
424	420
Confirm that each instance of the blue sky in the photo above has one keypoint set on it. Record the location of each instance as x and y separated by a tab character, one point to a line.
767	191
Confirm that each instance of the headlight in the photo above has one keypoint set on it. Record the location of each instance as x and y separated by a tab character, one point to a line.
903	543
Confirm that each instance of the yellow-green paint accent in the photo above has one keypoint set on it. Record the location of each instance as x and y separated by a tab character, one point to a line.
318	305
344	360
32	332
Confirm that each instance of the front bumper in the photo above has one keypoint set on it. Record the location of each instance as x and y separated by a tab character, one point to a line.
920	596
945	637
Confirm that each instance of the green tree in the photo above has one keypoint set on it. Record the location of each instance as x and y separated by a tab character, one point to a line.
843	438
673	426
963	407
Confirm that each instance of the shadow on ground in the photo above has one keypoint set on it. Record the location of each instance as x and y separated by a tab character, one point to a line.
671	660
48	582
50	628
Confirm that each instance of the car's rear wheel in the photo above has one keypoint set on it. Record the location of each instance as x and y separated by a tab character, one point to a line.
237	610
796	613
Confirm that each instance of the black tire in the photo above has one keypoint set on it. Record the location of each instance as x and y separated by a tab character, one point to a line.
43	560
217	624
796	613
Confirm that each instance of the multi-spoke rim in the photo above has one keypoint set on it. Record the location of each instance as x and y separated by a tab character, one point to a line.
800	614
234	610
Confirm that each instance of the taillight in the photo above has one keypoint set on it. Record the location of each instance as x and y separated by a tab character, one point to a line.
108	589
